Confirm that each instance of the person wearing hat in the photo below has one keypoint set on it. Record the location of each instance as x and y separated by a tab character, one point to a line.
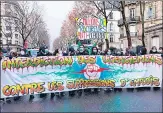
161	51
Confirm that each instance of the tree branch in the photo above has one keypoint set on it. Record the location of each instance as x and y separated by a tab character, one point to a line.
98	8
118	8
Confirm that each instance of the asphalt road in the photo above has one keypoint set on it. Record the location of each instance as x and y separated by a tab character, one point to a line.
136	101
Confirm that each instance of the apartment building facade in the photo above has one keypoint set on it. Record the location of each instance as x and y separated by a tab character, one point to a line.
112	28
133	19
152	17
154	24
10	38
10	33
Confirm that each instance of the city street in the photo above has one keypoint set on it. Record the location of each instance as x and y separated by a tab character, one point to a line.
81	56
136	101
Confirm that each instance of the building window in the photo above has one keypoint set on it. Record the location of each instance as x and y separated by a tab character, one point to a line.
16	29
18	49
16	8
111	38
132	13
111	26
1	42
7	6
111	15
112	5
8	35
150	12
155	42
15	14
121	43
16	22
8	13
8	28
9	41
16	42
16	36
7	20
121	31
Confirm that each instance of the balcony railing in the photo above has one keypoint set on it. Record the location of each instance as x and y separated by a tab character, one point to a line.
130	2
132	34
129	20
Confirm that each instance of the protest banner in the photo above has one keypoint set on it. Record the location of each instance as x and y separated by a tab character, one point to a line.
26	76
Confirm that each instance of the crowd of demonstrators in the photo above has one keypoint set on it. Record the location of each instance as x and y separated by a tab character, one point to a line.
139	50
131	51
155	51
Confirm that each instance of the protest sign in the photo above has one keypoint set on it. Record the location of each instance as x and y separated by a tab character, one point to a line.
91	28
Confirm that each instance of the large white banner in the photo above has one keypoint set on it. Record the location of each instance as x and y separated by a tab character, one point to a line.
25	76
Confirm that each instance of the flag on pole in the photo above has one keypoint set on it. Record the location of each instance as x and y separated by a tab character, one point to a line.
106	35
104	22
79	43
26	44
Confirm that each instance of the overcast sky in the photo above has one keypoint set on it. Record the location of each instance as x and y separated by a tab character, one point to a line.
55	13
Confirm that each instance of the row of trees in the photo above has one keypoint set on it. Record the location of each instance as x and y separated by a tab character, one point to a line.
69	26
96	9
24	17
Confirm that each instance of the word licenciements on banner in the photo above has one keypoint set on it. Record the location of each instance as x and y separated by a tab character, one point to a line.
26	76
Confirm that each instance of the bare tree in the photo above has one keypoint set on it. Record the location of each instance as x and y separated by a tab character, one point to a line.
85	8
102	7
28	18
119	5
69	29
7	22
39	35
142	10
7	31
57	43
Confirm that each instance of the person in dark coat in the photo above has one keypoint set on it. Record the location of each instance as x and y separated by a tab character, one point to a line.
71	51
108	52
161	51
83	51
127	52
94	51
143	51
65	53
56	52
132	52
118	52
153	50
42	51
11	55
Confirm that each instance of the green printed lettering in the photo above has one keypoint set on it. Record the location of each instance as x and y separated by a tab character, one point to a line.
10	64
